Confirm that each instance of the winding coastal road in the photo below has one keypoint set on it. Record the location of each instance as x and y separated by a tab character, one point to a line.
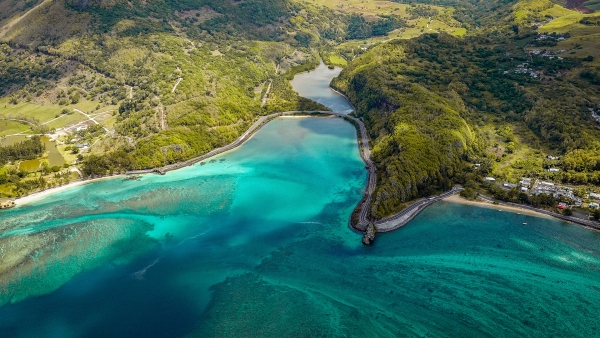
386	225
403	217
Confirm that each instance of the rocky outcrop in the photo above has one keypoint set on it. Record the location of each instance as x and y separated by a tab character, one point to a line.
7	204
369	236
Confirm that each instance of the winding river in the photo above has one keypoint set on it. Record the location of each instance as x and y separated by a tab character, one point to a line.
256	243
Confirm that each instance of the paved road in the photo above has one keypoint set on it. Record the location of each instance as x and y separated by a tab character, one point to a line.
364	145
91	119
386	225
365	154
403	217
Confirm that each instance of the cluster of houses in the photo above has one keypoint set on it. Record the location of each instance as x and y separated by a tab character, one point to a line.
541	187
548	188
594	196
524	69
543	37
550	54
81	146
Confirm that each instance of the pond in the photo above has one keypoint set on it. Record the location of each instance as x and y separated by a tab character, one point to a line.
54	158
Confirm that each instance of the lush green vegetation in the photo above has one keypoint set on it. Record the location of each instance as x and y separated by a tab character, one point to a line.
173	80
360	28
437	105
25	150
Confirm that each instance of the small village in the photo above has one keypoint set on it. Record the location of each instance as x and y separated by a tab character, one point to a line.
542	40
564	195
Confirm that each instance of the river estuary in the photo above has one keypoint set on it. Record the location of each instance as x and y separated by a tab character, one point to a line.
256	243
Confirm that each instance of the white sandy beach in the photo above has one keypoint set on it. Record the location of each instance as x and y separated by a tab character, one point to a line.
484	204
37	195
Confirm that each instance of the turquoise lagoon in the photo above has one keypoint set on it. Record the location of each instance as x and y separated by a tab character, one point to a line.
256	243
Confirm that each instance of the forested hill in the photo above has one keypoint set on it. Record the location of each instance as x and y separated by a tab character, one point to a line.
180	77
503	99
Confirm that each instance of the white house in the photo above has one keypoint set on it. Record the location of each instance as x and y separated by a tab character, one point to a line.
595	196
526	182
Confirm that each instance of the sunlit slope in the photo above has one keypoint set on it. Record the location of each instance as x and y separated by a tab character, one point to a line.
420	19
584	31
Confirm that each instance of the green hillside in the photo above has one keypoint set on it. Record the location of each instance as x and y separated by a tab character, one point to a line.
170	81
443	110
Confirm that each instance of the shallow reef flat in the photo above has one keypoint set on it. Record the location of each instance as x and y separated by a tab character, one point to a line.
455	270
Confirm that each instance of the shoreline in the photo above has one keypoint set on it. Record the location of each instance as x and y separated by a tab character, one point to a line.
247	135
43	193
500	207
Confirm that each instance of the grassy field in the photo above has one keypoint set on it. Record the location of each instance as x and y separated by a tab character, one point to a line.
518	162
367	7
338	60
569	22
371	9
44	114
558	11
66	120
41	112
420	27
11	127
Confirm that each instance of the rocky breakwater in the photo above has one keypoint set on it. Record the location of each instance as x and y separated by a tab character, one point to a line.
369	235
7	204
